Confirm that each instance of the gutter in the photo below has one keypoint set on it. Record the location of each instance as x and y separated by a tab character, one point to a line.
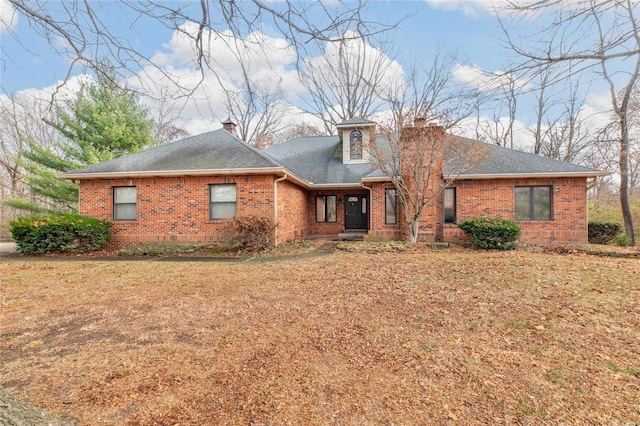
172	173
370	205
485	176
529	175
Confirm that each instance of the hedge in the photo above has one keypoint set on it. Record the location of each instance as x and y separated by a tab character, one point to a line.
492	233
66	233
603	232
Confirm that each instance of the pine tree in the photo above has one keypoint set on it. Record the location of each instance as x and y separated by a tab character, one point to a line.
103	122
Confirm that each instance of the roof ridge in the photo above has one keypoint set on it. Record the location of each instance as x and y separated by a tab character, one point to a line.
262	154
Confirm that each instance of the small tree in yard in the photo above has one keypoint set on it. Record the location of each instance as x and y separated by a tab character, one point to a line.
414	160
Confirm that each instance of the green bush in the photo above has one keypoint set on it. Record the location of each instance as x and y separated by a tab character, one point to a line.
492	233
251	232
66	233
622	240
603	232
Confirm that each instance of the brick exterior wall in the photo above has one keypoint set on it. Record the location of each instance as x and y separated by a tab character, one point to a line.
329	228
496	198
379	229
292	212
175	210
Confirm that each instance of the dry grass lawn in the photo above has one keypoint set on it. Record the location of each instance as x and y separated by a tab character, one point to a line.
434	337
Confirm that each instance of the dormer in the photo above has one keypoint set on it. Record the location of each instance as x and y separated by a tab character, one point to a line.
355	135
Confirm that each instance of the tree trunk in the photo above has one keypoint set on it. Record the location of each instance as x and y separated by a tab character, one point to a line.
624	180
414	227
14	412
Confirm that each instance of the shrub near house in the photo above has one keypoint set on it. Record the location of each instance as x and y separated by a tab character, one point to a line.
67	233
492	233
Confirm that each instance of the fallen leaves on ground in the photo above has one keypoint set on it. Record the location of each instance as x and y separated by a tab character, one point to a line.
429	337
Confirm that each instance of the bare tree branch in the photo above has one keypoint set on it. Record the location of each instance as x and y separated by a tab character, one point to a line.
601	36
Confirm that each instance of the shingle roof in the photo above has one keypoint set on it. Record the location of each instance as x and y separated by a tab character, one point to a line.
355	121
494	160
318	159
209	151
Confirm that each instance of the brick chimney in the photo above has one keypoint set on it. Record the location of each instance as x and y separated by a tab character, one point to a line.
230	126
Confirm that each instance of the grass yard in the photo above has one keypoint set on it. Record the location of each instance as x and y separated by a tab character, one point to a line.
435	337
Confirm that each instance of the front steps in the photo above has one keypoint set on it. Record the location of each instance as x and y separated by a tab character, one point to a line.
351	236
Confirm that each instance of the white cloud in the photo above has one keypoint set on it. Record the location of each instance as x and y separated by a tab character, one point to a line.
487	81
484	128
599	102
198	98
468	7
8	16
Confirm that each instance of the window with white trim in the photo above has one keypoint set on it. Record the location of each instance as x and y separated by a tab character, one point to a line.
124	203
222	201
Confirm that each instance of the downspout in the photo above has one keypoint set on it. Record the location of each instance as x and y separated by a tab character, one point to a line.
370	206
275	208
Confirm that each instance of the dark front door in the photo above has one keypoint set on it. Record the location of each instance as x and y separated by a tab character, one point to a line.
355	212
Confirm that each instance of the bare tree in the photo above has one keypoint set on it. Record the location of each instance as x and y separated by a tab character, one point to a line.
567	136
165	127
347	80
422	162
597	35
20	123
634	140
80	32
257	108
429	93
504	89
410	153
543	105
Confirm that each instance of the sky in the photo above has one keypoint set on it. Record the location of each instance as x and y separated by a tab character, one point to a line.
29	64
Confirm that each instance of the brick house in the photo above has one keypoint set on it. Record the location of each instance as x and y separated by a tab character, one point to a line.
186	191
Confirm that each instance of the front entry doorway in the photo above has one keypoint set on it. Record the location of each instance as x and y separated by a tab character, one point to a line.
355	212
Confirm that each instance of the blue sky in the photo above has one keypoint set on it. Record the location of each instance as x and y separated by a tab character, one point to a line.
29	63
467	27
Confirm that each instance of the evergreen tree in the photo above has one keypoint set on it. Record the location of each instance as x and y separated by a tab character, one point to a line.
103	122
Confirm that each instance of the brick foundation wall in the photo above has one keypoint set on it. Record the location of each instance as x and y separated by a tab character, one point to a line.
175	210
